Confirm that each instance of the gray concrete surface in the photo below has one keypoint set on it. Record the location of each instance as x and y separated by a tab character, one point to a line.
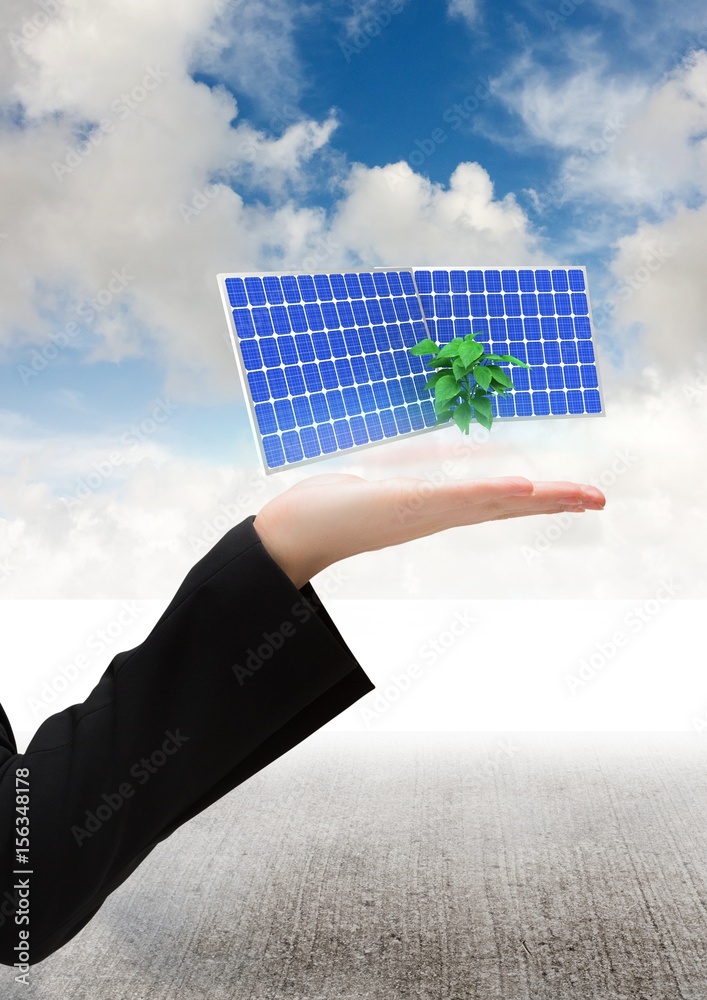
420	867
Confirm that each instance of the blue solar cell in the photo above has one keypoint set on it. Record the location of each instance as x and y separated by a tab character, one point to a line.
288	351
358	430
312	379
462	327
394	283
402	421
543	281
292	446
343	370
552	353
492	280
495	305
290	288
298	318
280	320
255	291
575	401
524	406
548	325
555	379
373	426
388	365
529	304
274	454
407	283
558	403
440	282
401	310
328	374
515	329
560	281
416	419
285	414
457	281
532	328
310	442
353	342
365	394
585	352
368	286
353	286
251	355
388	310
475	281
315	319
535	353
381	395
576	280
546	304
327	440
388	423
565	327
428	412
538	378
569	352
520	378
361	315
346	316
335	402
305	347
505	405
344	437
512	304
402	365
367	340
589	377
460	305
509	280
359	368
374	367
258	386
302	410
295	380
592	401
563	306
572	376
351	400
395	392
409	390
276	382
526	280
321	346
582	327
394	337
541	404
338	286
243	321
236	292
307	288
319	407
443	306
381	283
337	344
265	415
323	286
580	306
423	280
270	352
330	316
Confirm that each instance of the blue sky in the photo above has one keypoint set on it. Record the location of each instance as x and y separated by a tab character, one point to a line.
309	126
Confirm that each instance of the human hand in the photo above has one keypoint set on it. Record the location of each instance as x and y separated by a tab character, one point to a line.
326	518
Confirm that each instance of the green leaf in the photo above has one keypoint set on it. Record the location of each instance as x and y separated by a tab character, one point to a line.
500	376
443	417
482	405
424	347
447	387
441	363
482	376
458	369
485	420
462	417
451	350
470	352
434	379
510	358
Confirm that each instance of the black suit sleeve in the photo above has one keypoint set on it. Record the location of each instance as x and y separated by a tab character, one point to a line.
239	669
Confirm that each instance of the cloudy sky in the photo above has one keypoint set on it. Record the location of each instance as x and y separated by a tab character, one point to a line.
144	148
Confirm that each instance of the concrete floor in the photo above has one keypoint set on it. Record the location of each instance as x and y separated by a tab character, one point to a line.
420	867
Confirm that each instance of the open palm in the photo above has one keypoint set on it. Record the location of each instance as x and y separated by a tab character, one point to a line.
326	518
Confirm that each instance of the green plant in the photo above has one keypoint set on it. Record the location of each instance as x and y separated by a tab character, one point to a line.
467	378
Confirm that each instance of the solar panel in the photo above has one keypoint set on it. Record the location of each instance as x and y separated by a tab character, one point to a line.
324	361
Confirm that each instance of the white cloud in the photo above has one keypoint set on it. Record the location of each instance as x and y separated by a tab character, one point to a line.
466	9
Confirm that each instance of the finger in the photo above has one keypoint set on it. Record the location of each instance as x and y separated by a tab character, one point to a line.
432	499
